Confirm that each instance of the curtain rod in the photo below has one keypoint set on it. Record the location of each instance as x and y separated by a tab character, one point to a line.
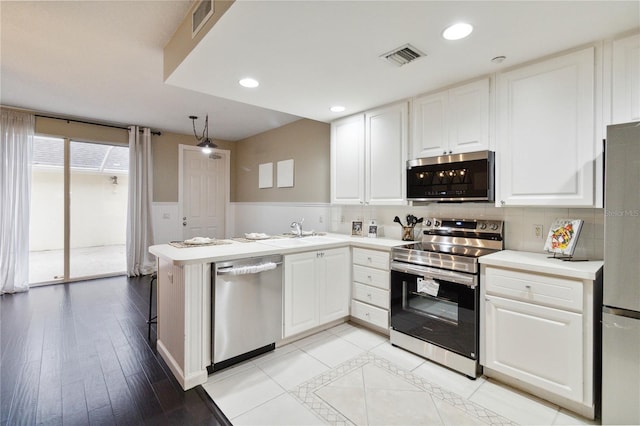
90	122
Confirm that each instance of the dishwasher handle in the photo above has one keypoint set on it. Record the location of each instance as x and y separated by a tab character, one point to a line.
248	269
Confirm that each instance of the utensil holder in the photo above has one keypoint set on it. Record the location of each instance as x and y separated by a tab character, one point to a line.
407	233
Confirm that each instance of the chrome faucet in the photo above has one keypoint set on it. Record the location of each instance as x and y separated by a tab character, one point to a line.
296	228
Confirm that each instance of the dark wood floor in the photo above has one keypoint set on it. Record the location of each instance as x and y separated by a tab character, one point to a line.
78	354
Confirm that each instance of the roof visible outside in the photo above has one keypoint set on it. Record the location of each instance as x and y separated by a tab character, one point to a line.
49	152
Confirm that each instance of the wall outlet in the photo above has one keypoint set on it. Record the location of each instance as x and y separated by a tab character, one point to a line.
537	232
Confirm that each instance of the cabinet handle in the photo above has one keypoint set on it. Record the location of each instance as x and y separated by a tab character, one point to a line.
369	259
444	152
369	295
502	202
450	151
369	277
528	287
367	314
487	299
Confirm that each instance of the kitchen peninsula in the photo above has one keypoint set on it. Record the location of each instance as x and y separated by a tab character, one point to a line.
184	293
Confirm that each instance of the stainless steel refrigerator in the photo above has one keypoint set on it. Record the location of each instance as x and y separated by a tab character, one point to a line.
621	287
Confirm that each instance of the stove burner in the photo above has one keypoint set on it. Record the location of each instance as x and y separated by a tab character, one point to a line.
472	252
453	244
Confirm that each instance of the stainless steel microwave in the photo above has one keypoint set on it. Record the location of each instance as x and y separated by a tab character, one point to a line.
452	178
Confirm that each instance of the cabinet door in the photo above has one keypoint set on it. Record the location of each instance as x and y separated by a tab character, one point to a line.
300	293
469	117
545	132
626	80
347	160
430	125
385	149
334	284
538	345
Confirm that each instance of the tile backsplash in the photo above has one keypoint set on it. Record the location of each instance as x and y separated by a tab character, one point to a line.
520	222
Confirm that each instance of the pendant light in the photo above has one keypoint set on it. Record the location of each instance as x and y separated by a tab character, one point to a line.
204	142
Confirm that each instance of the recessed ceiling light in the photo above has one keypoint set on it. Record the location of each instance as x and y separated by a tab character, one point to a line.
457	31
249	82
337	108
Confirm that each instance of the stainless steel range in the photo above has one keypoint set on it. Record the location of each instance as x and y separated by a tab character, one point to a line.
435	288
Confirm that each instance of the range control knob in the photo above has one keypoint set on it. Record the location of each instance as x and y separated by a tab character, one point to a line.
494	226
437	223
483	225
428	223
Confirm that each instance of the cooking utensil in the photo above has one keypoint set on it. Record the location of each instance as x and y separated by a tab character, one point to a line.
397	220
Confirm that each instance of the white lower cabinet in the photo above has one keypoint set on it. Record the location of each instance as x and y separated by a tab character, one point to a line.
539	345
537	333
370	295
316	289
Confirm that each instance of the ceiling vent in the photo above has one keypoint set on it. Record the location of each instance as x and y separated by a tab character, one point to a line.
403	55
200	15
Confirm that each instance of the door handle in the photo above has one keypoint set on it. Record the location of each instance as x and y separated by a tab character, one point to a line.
184	223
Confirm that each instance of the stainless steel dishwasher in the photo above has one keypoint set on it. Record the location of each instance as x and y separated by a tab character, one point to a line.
246	309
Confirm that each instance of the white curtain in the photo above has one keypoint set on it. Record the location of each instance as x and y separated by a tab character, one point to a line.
139	229
16	149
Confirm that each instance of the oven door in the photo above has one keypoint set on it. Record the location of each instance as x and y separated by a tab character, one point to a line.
437	306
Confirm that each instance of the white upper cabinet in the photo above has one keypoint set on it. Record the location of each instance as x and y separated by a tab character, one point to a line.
368	157
625	80
347	160
386	155
545	132
452	121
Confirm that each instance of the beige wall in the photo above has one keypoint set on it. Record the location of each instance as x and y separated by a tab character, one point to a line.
164	150
306	142
181	43
80	131
165	153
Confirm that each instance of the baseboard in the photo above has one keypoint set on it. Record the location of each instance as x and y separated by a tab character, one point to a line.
187	382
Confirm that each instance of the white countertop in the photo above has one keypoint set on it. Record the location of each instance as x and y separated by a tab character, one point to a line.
540	262
240	250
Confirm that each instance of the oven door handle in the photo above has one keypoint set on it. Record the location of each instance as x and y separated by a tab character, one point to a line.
436	274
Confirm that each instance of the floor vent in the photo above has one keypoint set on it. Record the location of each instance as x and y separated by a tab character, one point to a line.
403	55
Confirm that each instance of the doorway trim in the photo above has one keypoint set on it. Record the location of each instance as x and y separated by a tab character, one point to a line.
226	157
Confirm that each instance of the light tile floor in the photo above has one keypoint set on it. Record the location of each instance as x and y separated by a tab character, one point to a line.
349	375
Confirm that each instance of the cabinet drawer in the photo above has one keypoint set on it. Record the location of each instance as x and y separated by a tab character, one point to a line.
372	295
371	314
370	276
373	258
553	291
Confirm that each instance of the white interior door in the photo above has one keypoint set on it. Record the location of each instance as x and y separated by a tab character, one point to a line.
204	192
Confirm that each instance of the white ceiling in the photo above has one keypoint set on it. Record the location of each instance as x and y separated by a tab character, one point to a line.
102	60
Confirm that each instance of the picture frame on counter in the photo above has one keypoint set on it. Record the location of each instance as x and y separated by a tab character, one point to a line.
356	228
373	231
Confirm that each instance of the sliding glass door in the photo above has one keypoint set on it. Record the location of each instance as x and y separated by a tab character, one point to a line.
78	213
46	231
